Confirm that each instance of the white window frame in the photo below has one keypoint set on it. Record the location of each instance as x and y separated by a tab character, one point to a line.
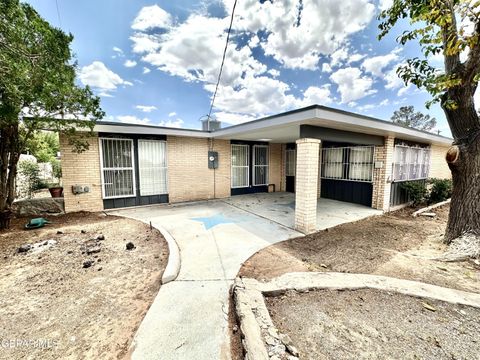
267	166
243	166
102	168
408	163
165	167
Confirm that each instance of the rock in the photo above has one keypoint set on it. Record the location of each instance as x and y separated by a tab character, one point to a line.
39	206
24	248
429	214
101	237
99	260
93	250
130	246
70	252
83	231
235	328
99	269
87	263
59	232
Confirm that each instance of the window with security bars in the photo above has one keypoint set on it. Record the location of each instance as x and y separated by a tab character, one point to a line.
240	165
290	162
118	178
354	163
152	165
260	165
411	163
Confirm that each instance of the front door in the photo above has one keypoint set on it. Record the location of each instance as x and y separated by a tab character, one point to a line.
290	165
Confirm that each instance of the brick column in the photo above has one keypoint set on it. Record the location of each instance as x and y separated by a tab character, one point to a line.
382	176
306	185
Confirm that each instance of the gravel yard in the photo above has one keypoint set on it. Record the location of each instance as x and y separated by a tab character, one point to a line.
371	324
78	293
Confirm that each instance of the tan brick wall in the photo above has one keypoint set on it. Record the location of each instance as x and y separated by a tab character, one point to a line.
306	185
438	165
189	177
381	176
275	166
81	169
283	173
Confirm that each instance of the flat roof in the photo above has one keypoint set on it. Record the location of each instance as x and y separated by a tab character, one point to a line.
284	127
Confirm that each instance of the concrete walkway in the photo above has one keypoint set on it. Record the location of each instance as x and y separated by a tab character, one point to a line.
188	318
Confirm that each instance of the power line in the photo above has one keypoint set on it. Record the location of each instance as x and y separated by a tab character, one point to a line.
58	13
223	61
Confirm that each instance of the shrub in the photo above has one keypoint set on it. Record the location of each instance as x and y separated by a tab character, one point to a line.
417	191
441	190
29	178
56	169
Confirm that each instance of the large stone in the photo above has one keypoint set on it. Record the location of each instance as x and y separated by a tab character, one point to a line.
40	206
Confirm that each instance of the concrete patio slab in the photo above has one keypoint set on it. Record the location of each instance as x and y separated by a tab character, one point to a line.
280	207
188	318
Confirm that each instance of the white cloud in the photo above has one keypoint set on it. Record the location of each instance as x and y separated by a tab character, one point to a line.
385	4
297	38
130	119
233	118
385	102
146	70
151	17
130	63
376	64
98	76
274	72
146	108
326	68
351	84
145	43
177	123
117	50
317	95
393	81
172	114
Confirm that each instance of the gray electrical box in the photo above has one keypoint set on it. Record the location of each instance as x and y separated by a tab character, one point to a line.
212	159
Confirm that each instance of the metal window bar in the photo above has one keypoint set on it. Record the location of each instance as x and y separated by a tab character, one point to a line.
152	164
240	166
352	163
260	165
290	162
411	163
117	165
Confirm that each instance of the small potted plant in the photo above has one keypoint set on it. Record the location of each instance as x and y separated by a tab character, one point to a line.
56	190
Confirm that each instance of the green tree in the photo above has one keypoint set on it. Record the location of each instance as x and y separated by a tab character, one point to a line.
37	90
450	28
44	145
406	116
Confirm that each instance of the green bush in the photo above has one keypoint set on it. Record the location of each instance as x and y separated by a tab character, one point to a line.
416	190
29	178
441	190
56	169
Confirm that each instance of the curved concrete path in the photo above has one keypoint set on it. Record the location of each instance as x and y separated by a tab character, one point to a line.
189	317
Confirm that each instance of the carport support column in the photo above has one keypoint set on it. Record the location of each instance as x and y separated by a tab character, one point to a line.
306	185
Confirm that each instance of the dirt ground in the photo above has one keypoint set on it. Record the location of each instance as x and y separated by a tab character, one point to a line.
394	244
370	324
52	307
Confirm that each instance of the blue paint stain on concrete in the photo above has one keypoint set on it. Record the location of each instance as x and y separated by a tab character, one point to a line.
211	221
290	205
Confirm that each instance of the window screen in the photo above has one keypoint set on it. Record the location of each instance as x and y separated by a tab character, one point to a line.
410	163
290	162
354	163
240	166
152	163
118	179
260	165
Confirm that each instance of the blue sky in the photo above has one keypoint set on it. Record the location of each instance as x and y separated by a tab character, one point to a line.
156	62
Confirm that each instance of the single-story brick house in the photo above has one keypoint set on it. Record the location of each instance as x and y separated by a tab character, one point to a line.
314	151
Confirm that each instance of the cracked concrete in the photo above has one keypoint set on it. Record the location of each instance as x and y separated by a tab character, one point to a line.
188	318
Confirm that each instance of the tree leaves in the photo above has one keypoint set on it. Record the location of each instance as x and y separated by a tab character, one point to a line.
406	116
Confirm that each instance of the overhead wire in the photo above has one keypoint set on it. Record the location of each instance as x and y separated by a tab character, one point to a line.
223	62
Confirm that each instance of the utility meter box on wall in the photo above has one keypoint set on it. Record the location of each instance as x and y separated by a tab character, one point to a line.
80	189
212	159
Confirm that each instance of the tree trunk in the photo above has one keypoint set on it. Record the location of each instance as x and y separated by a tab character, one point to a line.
464	162
9	156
